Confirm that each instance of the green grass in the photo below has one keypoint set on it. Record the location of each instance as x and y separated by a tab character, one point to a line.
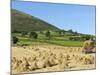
63	43
67	43
29	41
56	40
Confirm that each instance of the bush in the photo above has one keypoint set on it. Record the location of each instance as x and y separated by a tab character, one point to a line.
48	34
33	35
15	40
70	38
85	37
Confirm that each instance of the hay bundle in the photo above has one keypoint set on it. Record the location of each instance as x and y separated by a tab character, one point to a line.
53	60
87	60
42	62
23	66
32	66
15	63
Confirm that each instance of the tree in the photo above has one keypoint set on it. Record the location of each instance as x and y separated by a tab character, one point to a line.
70	31
33	35
15	40
75	33
48	34
62	32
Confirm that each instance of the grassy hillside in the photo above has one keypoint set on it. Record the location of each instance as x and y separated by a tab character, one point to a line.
25	22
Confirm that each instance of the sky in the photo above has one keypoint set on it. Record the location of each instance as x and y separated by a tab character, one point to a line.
80	18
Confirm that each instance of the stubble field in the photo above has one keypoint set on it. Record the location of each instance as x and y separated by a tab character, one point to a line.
43	57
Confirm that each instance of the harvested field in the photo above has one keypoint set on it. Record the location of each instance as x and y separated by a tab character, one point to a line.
47	57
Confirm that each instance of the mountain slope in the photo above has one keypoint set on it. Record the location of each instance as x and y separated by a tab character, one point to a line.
21	21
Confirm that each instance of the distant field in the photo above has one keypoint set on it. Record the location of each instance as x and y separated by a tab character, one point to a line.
63	41
56	42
